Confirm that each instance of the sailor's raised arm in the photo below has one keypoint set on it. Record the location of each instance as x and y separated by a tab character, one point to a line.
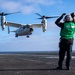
72	15
57	22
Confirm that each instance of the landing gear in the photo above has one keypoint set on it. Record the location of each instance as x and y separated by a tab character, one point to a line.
16	35
27	36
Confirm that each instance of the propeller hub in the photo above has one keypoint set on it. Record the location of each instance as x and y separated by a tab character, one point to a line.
2	13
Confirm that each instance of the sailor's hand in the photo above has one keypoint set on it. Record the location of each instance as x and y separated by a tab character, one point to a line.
72	14
63	14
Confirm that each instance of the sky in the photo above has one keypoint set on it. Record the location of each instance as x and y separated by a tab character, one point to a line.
38	41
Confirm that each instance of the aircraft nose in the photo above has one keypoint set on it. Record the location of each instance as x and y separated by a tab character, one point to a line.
31	29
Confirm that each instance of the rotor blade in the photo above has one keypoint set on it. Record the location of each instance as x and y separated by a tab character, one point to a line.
38	14
48	17
51	17
11	13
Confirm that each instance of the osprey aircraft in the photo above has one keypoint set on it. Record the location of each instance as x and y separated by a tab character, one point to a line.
25	29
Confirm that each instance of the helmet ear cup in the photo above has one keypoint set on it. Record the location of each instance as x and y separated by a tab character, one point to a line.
68	18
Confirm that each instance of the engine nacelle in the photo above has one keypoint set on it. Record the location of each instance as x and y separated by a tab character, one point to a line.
3	22
44	26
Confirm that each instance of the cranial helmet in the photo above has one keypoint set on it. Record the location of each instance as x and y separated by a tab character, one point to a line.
68	18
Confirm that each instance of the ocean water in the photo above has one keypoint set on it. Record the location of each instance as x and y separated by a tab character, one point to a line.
35	52
30	52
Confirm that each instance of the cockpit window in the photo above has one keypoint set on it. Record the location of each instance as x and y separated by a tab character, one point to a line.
24	27
27	26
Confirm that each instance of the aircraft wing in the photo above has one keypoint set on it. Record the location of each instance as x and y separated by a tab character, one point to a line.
35	25
13	24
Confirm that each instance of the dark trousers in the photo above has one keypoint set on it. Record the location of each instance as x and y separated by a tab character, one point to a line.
65	46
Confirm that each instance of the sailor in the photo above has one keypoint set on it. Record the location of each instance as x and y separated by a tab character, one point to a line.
66	38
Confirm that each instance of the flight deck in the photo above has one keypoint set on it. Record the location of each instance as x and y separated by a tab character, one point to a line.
33	64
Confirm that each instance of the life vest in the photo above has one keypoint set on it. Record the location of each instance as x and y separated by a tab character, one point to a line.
68	30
